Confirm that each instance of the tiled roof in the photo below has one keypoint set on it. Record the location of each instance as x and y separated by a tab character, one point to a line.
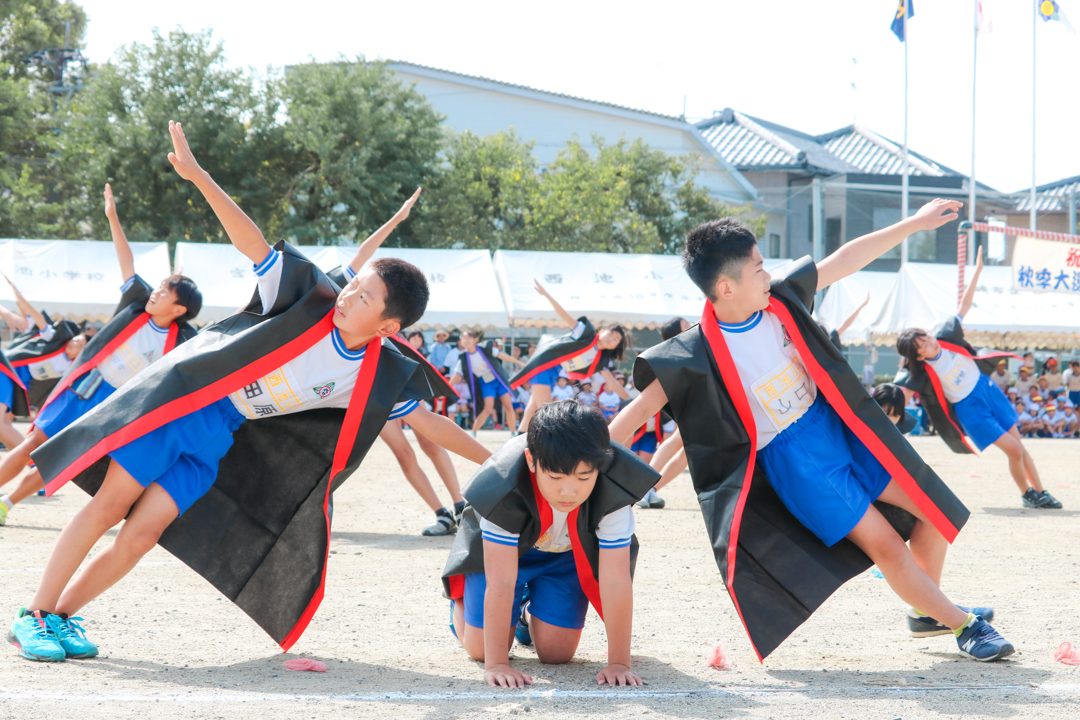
1051	197
870	153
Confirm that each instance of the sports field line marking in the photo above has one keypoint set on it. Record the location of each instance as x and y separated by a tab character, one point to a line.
140	565
507	695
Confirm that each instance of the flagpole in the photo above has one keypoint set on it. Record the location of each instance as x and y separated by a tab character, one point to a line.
904	168
1032	221
974	71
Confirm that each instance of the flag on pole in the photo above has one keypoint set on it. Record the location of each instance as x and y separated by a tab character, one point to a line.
898	20
1050	11
984	23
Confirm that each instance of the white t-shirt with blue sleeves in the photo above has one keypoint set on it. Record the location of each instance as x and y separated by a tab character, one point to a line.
615	531
323	376
143	348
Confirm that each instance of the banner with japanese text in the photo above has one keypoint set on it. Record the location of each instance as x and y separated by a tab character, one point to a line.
1046	266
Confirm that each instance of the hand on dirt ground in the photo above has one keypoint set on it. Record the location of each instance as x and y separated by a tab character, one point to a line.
506	676
616	674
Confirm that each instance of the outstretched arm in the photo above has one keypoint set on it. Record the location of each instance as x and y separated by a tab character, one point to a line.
510	358
637	413
242	232
969	293
566	317
860	252
15	321
26	309
120	243
445	432
851	318
375	241
617	598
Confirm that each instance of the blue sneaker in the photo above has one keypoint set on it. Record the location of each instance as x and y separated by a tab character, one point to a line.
921	626
979	641
72	637
521	632
32	634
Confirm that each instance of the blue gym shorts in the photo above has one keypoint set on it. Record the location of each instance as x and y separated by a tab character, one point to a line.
555	594
7	390
823	473
645	443
986	414
493	389
182	455
69	407
549	377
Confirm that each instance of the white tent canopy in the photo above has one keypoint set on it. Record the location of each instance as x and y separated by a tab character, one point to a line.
844	296
463	288
79	279
925	294
641	291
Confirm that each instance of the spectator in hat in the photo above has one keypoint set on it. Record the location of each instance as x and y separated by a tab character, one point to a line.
1052	374
439	350
1001	376
1044	389
1028	422
1034	401
1071	382
1072	420
586	396
1054	421
1024	382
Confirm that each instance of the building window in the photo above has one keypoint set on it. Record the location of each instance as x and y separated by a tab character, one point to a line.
774	245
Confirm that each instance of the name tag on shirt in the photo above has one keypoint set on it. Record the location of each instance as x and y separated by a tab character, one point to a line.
784	392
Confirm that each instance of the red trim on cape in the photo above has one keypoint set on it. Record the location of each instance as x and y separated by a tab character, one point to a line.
730	375
939	392
195	401
558	361
170	341
865	434
66	382
346	439
587	375
960	349
657	428
41	358
457	586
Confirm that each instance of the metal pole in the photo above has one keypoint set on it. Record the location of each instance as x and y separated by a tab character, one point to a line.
904	169
1072	210
1032	220
961	258
818	220
974	70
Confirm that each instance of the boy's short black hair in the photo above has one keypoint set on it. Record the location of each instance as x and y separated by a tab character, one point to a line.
891	399
671	328
407	291
563	434
187	294
715	248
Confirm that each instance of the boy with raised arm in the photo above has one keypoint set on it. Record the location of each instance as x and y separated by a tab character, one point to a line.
146	325
788	452
549	529
242	434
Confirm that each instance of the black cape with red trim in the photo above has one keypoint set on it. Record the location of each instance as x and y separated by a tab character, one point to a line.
261	534
553	351
776	570
487	352
921	380
30	347
502	491
20	402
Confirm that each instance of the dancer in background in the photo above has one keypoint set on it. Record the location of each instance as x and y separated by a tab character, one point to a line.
478	365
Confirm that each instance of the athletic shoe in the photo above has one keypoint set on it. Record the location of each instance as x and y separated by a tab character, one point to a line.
33	635
1050	502
521	632
921	626
981	642
473	433
3	513
72	637
651	500
444	524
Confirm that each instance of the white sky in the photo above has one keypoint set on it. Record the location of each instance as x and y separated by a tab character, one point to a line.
788	61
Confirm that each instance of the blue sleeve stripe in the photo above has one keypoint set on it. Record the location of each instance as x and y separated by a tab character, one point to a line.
499	539
404	409
127	284
267	263
349	272
611	544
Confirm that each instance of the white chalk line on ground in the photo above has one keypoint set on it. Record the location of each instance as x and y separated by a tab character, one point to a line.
140	565
508	695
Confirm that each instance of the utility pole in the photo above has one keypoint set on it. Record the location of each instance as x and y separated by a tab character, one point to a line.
59	59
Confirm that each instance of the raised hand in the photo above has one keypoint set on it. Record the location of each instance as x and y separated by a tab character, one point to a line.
110	203
407	207
979	260
183	161
507	677
540	288
937	212
615	674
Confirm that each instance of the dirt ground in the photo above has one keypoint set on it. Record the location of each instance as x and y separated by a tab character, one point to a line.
167	637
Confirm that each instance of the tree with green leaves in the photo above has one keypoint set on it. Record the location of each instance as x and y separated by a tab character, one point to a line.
365	142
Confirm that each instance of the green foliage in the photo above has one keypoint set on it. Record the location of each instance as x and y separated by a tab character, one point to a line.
27	26
365	142
117	131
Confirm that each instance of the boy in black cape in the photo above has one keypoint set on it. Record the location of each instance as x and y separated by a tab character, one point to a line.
787	450
549	528
955	388
146	325
312	365
480	367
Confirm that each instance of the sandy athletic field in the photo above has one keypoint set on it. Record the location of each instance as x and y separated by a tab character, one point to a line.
171	645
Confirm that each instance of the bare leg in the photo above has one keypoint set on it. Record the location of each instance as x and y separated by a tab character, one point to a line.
928	546
394	436
646	456
1029	463
471	638
19	456
877	538
667	450
489	407
508	410
538	395
673	469
8	434
29	485
109	506
1013	448
153	512
554	645
443	464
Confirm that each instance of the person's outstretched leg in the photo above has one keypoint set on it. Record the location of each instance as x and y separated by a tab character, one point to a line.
1013	448
30	484
667	450
538	395
8	434
672	469
928	546
109	506
152	513
1029	463
508	410
394	436
489	408
440	458
19	456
